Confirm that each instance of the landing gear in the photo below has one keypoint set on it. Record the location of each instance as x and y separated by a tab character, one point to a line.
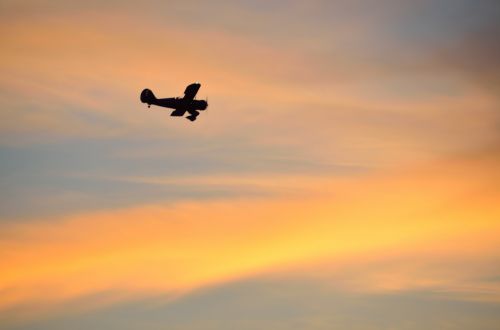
192	115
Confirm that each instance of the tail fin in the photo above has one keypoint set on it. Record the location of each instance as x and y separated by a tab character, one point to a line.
147	96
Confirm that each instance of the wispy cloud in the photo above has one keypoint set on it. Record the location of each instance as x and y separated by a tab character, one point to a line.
189	245
307	166
65	78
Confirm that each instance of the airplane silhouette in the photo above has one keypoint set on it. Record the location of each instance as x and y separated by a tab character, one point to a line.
179	104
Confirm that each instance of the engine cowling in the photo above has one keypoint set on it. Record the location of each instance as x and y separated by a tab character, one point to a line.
200	104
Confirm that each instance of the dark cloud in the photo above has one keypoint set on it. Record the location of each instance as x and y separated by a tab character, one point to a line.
56	178
475	57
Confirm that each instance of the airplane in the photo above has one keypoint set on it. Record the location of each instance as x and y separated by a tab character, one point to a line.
179	104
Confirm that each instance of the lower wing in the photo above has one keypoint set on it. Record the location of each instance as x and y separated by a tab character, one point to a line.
178	112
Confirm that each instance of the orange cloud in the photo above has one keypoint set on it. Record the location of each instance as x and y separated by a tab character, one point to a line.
64	77
451	207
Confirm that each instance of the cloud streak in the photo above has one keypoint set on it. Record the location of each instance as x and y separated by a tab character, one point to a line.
324	162
190	245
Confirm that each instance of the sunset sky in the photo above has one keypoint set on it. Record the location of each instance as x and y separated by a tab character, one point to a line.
346	174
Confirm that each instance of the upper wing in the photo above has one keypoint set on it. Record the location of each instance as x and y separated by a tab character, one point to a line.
191	91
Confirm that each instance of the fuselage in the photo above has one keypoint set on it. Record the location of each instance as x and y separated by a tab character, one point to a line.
189	105
181	105
176	103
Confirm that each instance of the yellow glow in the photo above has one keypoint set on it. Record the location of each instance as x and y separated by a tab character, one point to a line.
178	248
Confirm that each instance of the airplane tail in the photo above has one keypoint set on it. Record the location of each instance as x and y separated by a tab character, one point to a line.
147	96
